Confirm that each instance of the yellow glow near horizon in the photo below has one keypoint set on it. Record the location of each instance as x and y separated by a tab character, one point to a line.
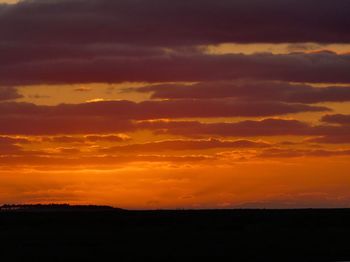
291	183
233	48
9	1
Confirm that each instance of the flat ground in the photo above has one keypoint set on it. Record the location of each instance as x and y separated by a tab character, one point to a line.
117	235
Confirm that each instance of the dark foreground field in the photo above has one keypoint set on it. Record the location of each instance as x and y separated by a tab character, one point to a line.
117	235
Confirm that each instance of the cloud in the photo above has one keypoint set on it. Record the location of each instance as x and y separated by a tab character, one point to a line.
111	117
82	89
8	93
331	139
180	145
94	41
116	116
63	139
13	140
10	145
191	22
41	125
159	109
250	128
19	52
108	138
287	153
322	67
69	150
88	138
33	125
249	90
337	119
63	161
334	134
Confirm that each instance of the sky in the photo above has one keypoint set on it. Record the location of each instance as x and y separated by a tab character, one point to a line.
153	104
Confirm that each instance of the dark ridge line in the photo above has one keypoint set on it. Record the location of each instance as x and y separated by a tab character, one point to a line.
101	208
54	208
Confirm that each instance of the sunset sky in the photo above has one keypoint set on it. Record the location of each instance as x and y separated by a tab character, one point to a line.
152	104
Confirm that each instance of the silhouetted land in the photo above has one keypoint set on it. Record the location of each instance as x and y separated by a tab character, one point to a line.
50	233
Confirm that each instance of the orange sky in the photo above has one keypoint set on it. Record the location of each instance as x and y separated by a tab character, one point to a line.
163	121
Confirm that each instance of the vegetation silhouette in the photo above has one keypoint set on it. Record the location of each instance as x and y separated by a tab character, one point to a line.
54	208
92	233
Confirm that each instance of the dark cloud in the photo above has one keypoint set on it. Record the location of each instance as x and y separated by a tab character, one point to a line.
158	109
34	125
84	41
205	90
63	139
286	153
10	145
337	119
116	116
69	150
6	148
13	52
297	47
180	145
41	125
82	89
63	160
250	128
111	117
185	66
8	93
84	139
191	22
107	138
249	90
31	125
333	134
13	140
331	139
